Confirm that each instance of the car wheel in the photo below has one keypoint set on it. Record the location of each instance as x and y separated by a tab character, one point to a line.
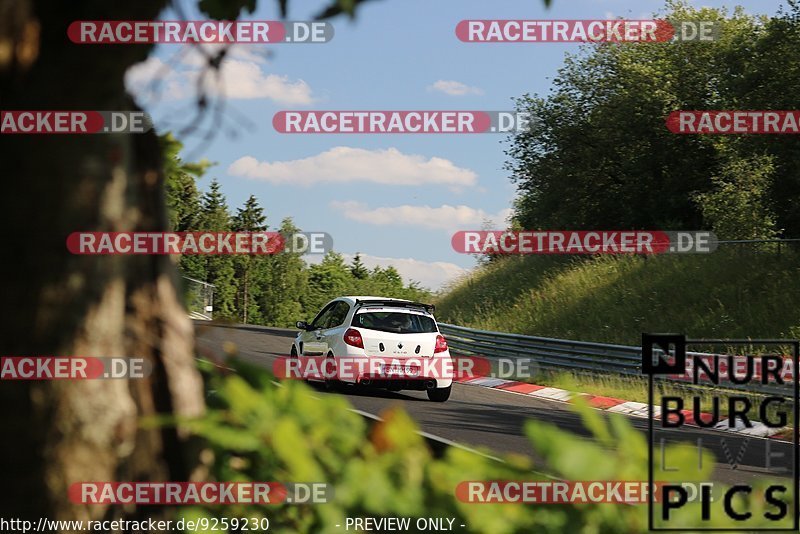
439	394
331	384
293	356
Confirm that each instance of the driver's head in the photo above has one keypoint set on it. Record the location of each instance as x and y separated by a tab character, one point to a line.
401	320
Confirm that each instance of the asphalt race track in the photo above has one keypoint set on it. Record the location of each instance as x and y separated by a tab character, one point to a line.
486	418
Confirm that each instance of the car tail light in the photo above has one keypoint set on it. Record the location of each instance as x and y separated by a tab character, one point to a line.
353	338
441	344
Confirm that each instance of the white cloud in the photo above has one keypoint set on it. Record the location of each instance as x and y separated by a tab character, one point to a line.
140	81
445	217
454	88
241	77
431	274
245	80
196	56
345	164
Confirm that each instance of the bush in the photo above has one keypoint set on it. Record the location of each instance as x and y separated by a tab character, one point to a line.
257	431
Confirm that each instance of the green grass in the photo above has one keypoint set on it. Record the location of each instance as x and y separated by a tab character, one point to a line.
734	292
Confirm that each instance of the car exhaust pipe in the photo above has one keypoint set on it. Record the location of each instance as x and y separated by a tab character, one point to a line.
365	382
430	384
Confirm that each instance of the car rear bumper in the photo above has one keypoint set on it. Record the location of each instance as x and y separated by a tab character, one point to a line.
417	384
430	372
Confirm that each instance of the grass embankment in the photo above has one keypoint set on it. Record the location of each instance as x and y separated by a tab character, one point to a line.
732	293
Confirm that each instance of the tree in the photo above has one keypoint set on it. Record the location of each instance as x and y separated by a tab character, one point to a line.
182	196
249	218
64	432
388	280
214	214
738	207
219	269
598	154
88	305
183	199
326	280
280	300
385	282
357	268
762	78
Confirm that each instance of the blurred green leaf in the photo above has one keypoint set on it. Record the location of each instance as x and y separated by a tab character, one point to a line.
226	9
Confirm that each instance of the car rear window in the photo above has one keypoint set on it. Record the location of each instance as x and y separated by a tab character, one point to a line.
398	322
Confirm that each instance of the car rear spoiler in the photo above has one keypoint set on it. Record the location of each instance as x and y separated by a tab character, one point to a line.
395	303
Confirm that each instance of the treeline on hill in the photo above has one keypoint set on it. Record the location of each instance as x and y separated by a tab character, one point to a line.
274	290
600	156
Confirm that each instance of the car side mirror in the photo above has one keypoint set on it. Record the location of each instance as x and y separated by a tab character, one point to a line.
302	325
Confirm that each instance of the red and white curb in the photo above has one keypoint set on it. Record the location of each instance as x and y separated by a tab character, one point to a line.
621	406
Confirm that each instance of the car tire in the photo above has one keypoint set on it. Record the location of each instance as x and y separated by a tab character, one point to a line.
439	394
331	384
293	355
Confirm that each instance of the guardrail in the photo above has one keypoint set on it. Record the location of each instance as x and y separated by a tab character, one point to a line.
575	356
198	297
548	353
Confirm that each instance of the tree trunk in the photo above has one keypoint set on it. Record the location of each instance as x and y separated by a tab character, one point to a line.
60	432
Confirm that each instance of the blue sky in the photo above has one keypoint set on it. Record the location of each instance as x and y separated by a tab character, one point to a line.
389	58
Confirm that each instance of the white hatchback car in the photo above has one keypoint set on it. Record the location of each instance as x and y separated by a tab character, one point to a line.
388	343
